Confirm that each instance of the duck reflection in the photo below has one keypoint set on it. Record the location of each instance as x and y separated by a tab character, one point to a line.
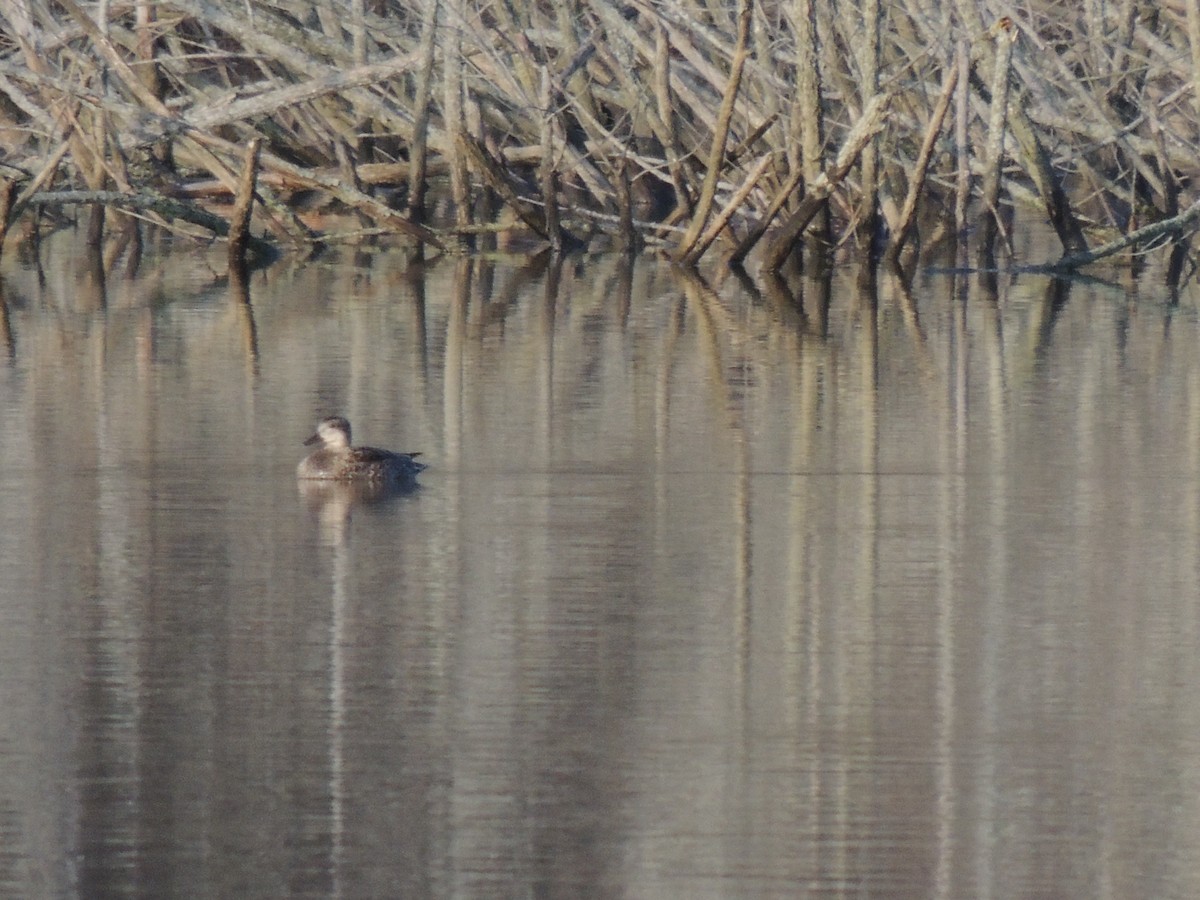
333	502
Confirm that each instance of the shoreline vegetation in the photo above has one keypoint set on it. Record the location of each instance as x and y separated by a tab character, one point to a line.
731	130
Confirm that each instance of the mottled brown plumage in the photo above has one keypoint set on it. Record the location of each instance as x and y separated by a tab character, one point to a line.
337	460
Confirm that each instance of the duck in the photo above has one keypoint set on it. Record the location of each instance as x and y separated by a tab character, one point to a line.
337	460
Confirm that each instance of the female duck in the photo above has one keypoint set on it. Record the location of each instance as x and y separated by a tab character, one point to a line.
336	460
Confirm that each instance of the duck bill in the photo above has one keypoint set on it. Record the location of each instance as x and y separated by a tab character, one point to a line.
315	439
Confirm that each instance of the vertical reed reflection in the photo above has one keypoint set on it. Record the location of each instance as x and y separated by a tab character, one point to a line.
239	296
951	500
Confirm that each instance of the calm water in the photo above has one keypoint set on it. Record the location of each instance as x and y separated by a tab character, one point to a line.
706	593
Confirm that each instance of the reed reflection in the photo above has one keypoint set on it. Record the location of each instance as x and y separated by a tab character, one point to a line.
832	582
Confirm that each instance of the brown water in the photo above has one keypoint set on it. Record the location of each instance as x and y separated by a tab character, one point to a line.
705	594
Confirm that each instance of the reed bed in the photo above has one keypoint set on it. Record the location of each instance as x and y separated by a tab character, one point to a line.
731	130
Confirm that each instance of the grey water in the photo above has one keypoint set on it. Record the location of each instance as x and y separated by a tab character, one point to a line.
708	591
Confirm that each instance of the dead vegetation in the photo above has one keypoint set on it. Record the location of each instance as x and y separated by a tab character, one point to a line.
737	130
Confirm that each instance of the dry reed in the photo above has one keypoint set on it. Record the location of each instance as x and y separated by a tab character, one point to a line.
707	129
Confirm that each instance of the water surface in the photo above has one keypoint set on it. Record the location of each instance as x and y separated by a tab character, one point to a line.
707	592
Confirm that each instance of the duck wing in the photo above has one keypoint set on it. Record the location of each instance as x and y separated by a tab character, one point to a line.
374	454
404	462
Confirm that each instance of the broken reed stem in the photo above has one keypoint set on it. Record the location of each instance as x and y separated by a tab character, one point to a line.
962	112
547	170
662	97
144	48
726	214
166	207
817	193
43	176
452	105
627	236
358	30
867	47
759	228
422	100
1036	161
921	166
1005	37
494	175
243	206
1175	225
1193	33
716	152
804	151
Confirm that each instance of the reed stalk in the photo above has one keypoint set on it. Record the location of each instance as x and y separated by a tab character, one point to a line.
422	103
716	152
1005	37
916	183
243	205
818	191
